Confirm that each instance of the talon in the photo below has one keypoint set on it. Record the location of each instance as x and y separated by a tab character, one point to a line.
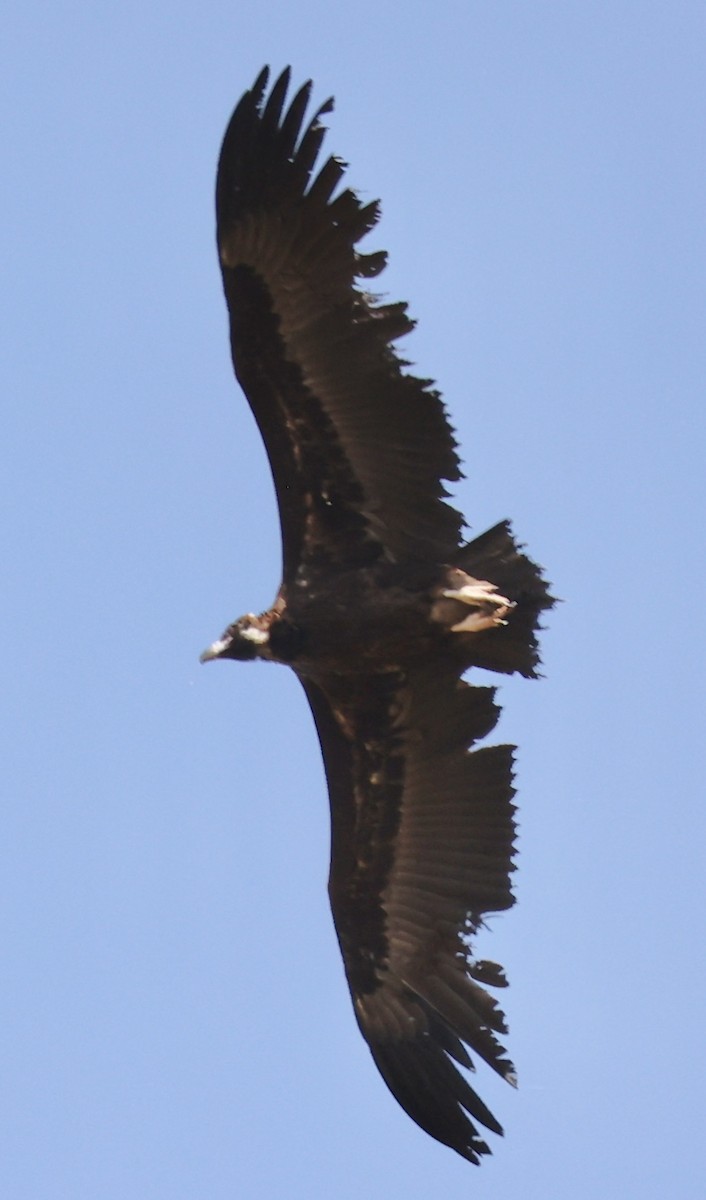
492	607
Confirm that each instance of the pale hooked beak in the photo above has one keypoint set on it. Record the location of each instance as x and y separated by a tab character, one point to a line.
215	650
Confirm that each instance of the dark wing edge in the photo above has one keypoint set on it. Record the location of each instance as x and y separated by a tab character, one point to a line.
422	844
358	447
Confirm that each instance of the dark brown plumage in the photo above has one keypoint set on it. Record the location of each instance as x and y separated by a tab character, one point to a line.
380	612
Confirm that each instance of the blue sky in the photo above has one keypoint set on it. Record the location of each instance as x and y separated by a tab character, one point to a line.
174	1018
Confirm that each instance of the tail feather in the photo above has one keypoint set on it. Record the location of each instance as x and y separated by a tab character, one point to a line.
497	557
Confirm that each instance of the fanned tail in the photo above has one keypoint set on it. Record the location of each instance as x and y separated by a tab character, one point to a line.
497	557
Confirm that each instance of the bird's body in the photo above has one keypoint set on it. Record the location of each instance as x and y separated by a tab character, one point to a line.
380	612
368	620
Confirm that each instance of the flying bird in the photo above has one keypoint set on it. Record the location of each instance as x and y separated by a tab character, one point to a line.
381	611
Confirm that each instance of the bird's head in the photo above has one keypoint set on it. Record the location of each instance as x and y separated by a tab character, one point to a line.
243	640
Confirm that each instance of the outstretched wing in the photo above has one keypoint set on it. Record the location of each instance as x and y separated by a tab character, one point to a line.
422	843
358	448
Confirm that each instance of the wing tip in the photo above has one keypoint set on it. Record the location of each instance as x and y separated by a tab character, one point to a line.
269	147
